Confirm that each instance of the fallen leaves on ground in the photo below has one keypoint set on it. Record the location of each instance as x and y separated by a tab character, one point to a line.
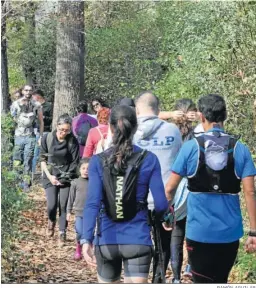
38	259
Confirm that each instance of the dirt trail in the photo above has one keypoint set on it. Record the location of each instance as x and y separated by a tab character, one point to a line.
43	261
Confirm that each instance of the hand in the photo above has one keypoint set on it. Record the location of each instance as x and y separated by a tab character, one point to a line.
68	218
89	255
54	181
177	114
167	227
250	244
39	141
192	116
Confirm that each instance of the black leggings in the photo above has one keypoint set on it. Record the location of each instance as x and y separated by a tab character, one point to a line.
210	262
52	195
177	240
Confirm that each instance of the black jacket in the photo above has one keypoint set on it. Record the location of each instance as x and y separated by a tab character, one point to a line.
62	158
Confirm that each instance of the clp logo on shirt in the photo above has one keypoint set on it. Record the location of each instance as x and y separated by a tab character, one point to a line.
156	141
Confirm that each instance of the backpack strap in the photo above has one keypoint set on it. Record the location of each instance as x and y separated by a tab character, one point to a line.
101	135
102	140
139	159
200	141
49	139
231	146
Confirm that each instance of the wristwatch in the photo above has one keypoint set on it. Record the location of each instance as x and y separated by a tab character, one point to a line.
252	233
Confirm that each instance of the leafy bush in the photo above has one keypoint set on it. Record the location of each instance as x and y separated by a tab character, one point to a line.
13	200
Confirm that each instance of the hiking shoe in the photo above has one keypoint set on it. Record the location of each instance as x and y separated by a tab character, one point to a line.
26	185
175	281
62	239
50	228
78	253
187	271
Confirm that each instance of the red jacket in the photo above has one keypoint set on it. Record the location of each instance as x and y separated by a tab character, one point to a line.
93	139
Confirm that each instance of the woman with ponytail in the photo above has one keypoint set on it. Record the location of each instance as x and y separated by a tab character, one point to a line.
121	242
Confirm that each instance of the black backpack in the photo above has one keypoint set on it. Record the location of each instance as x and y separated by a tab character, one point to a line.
120	189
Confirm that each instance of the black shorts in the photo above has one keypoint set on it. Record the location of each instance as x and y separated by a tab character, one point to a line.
136	260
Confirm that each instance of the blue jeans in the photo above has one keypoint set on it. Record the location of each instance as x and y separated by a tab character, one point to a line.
24	151
79	228
36	154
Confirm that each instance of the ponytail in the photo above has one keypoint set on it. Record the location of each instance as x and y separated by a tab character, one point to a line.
124	124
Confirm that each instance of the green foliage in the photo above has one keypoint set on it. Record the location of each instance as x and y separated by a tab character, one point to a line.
175	48
13	200
205	46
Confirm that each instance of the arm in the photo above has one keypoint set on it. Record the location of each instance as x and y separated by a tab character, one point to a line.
245	169
165	115
93	201
171	186
75	156
89	146
250	199
14	111
156	187
184	165
74	126
44	159
41	121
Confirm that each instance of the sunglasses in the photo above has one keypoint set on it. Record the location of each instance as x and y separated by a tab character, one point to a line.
96	105
63	130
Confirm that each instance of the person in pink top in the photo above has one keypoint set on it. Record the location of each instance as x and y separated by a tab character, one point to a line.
96	134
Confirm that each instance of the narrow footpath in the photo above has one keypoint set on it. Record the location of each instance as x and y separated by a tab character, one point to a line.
41	260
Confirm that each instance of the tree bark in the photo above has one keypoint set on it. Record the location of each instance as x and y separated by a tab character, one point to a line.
69	82
28	65
5	99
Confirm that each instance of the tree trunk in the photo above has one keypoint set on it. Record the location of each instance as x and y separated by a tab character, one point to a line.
69	83
28	65
5	99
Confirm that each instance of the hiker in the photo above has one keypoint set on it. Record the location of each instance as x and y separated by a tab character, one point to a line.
97	104
186	106
164	140
97	135
59	160
127	101
81	125
123	233
25	111
215	171
16	95
38	96
76	201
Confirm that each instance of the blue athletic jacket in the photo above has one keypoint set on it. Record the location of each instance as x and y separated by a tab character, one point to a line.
135	231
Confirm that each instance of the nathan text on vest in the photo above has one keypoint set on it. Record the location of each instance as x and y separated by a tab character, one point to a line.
119	198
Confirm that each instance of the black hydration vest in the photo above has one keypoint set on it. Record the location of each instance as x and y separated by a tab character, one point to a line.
206	179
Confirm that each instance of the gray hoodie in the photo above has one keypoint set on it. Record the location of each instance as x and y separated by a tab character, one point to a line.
161	138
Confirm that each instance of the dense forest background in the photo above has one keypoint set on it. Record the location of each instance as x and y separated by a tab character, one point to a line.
176	49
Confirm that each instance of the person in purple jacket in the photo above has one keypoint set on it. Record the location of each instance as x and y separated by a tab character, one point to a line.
81	125
129	242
